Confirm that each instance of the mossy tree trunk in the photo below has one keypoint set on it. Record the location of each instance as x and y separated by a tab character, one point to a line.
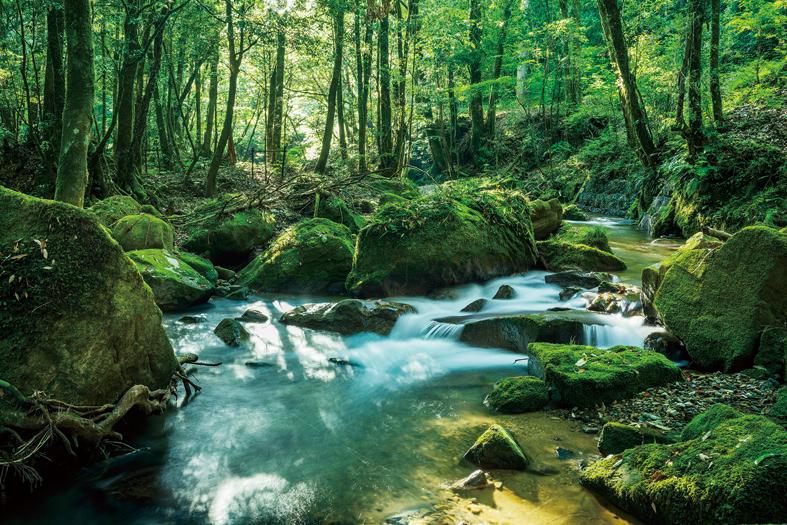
78	105
694	135
276	114
336	81
363	58
715	87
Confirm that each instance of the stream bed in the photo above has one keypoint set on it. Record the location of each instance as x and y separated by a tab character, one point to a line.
283	433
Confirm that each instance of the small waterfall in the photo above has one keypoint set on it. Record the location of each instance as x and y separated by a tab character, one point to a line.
438	330
627	331
597	335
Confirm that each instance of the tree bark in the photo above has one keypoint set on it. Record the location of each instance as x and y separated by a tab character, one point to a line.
277	125
363	58
715	87
213	94
78	106
54	86
125	103
384	72
336	80
476	100
491	115
694	135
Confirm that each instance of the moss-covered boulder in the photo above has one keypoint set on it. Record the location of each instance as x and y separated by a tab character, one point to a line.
110	210
230	241
572	212
546	216
497	448
202	265
718	301
175	284
707	421
336	210
593	236
76	319
617	437
454	235
516	332
349	316
772	351
585	376
576	278
778	411
311	256
143	231
232	332
514	395
734	472
556	255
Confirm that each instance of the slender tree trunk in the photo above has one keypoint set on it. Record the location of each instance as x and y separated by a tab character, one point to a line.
363	57
715	87
163	138
213	95
694	137
336	81
78	108
125	98
491	115
680	122
384	71
476	100
637	127
198	102
277	125
54	85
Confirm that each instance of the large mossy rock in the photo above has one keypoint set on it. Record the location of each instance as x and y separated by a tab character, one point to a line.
456	234
557	256
143	231
231	240
593	236
112	209
585	376
547	217
349	316
514	395
733	472
76	318
516	332
496	448
202	265
572	212
336	210
718	301
175	284
311	256
617	437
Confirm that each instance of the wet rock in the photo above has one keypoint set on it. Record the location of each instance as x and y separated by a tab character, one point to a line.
77	320
667	345
577	278
514	395
231	332
311	256
617	437
349	316
475	306
203	266
478	479
253	316
143	231
624	300
175	284
572	212
593	236
238	293
504	292
225	274
497	448
258	364
718	301
569	292
516	332
230	240
557	255
564	453
733	470
192	319
584	376
547	217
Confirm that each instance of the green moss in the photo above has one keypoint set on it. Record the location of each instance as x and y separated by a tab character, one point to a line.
708	420
143	231
231	240
112	209
585	376
175	284
311	256
336	210
778	411
772	351
719	301
572	212
459	233
736	473
203	266
546	216
401	187
514	395
617	437
557	255
593	236
77	320
497	448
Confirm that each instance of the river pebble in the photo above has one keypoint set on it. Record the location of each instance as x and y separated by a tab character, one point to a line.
671	406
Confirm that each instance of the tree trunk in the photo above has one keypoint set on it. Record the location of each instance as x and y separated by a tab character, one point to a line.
491	115
384	72
363	57
125	103
476	100
634	114
277	125
715	88
54	86
198	102
78	106
213	94
336	81
694	136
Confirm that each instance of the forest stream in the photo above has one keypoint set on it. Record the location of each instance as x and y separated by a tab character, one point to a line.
307	426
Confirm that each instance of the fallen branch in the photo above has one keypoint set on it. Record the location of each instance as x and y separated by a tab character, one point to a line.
721	235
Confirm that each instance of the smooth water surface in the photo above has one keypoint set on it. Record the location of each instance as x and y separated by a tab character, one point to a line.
283	434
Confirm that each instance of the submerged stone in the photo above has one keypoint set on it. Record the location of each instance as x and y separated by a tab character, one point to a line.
547	217
231	332
143	231
76	319
311	256
514	395
585	376
454	235
476	480
733	471
175	284
497	448
349	316
719	300
617	437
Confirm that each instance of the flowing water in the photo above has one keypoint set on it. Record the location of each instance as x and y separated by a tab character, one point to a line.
301	426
